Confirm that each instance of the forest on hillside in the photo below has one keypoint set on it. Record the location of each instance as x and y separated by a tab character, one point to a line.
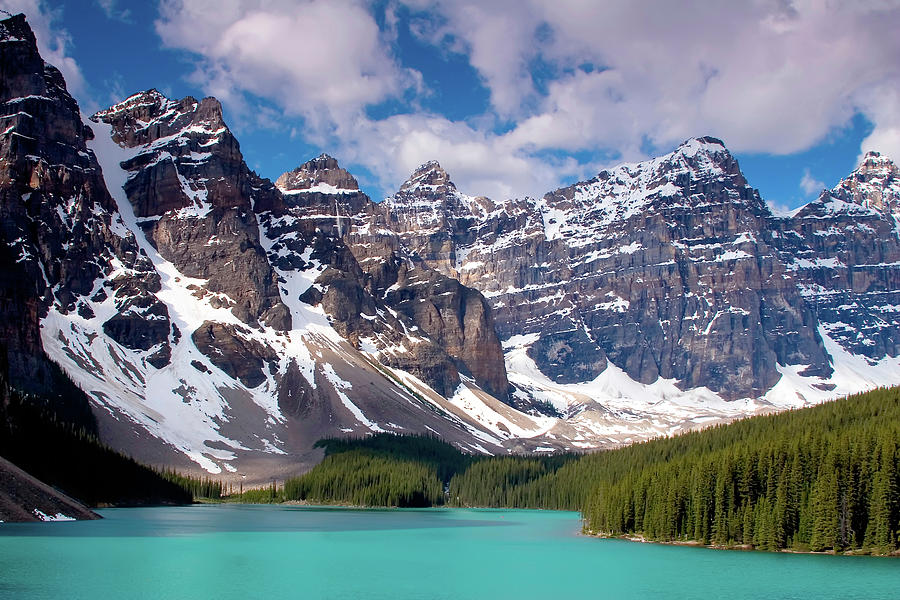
823	478
55	440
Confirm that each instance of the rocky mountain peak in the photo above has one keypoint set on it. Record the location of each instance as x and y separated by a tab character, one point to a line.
875	184
695	159
322	174
707	158
148	116
429	176
706	144
16	29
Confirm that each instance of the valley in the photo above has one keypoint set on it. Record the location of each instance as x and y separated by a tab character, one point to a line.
221	324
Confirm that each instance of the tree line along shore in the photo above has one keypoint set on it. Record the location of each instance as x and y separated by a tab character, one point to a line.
818	479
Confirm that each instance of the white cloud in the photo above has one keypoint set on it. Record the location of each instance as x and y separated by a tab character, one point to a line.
882	104
809	184
322	59
771	76
53	42
114	11
479	163
766	76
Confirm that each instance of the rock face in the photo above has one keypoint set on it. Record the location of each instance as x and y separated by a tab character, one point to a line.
192	193
663	268
391	292
218	320
844	250
60	236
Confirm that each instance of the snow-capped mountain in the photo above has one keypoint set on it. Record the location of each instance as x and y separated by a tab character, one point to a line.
660	289
219	321
844	250
206	314
662	268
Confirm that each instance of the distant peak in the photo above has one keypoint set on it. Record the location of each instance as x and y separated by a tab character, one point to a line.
428	175
874	184
323	169
875	165
874	159
322	161
145	98
429	166
16	28
707	144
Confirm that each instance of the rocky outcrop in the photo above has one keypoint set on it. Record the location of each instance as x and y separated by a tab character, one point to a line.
458	320
193	195
60	235
844	251
233	350
23	499
321	173
390	294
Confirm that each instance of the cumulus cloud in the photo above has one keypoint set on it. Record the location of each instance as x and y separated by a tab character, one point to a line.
882	104
766	76
322	59
809	184
616	78
54	43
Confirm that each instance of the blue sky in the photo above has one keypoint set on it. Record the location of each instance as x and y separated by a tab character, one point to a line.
513	97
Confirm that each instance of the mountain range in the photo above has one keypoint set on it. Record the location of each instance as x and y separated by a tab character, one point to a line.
217	321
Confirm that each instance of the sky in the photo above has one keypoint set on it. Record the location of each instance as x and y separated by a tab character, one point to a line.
513	97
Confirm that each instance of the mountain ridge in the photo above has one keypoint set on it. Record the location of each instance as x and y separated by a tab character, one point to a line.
220	321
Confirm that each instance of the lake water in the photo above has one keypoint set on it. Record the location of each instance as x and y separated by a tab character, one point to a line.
274	552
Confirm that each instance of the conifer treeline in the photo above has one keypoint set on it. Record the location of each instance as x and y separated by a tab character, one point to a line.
818	479
363	478
381	470
197	487
69	457
821	478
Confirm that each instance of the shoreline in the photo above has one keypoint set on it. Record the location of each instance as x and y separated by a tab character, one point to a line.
736	547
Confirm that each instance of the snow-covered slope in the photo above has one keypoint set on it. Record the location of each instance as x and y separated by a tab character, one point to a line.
235	353
219	321
670	285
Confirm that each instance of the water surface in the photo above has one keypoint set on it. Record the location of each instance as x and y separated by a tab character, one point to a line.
275	552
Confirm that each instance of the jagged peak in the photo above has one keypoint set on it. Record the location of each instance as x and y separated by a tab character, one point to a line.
873	185
429	175
874	168
705	144
152	105
875	163
321	173
151	97
16	28
704	156
428	166
322	161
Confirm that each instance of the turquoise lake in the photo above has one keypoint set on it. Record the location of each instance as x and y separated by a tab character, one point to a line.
276	552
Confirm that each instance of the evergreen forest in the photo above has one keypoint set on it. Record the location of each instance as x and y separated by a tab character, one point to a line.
823	478
55	440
